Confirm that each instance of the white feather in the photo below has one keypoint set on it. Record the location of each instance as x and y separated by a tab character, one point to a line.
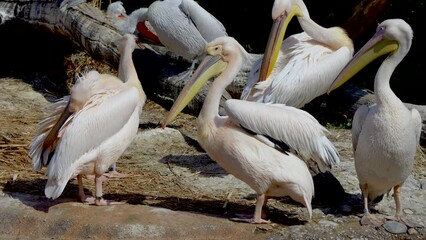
295	127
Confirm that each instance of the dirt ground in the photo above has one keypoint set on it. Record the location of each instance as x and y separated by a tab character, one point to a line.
169	169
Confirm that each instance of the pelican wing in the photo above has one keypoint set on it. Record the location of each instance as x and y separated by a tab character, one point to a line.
296	128
208	26
252	78
47	134
304	70
103	116
417	119
357	123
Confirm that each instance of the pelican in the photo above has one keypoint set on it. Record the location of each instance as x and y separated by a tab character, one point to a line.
183	26
116	10
260	144
89	129
133	23
302	67
384	135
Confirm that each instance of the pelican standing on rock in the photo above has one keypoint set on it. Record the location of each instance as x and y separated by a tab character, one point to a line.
384	135
301	68
255	142
90	129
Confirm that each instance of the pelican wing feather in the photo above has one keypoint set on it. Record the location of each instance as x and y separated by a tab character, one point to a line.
208	26
296	128
39	150
304	70
310	68
102	116
357	123
417	119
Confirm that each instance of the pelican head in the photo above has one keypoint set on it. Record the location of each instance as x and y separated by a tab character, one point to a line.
282	13
220	52
116	9
392	37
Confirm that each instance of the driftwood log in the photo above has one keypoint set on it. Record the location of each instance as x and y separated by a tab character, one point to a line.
162	75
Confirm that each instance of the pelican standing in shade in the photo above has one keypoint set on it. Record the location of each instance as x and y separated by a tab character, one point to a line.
301	68
384	135
90	129
255	142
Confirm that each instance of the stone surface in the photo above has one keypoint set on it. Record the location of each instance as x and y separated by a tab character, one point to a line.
395	227
25	216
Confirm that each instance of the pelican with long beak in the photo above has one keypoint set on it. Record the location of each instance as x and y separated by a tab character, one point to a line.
300	68
385	135
264	145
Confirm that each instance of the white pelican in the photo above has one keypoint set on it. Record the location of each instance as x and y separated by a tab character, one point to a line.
91	128
133	23
301	68
116	10
385	135
260	144
184	27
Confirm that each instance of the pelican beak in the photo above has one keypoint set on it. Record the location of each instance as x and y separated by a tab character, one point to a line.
211	66
377	46
275	40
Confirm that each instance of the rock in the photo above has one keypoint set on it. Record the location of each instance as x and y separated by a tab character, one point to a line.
317	211
327	223
411	184
412	231
408	211
422	184
395	227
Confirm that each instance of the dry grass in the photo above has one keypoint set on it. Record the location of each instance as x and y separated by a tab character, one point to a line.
419	169
81	62
97	3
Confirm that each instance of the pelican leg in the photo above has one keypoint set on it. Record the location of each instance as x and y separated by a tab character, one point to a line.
83	197
258	213
399	214
112	173
368	218
260	203
396	192
100	201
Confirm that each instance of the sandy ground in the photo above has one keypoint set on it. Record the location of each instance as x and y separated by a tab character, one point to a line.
168	169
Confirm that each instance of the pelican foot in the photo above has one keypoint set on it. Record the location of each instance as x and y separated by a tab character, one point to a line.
109	175
249	219
104	202
370	219
115	174
408	222
88	200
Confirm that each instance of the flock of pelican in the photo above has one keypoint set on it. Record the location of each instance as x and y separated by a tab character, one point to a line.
265	139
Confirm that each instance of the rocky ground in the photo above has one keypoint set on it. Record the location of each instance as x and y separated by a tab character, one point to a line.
175	190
